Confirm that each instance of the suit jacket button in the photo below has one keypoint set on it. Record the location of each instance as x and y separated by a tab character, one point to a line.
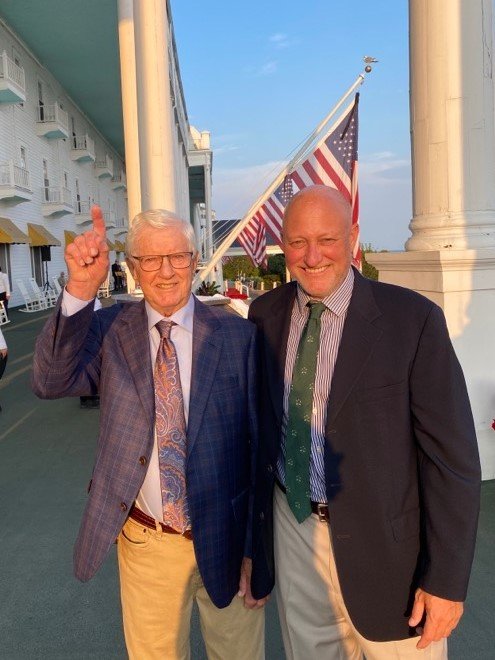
123	506
269	467
262	516
142	460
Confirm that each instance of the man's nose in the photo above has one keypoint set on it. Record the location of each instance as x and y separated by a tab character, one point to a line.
313	254
166	269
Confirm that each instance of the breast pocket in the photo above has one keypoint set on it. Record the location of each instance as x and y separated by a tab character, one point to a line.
382	392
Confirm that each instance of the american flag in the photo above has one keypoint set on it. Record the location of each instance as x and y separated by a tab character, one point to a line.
253	240
333	162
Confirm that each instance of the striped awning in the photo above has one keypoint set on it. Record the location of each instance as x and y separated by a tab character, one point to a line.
9	233
119	246
39	236
111	246
69	237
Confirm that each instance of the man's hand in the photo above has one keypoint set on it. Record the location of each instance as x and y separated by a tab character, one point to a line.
87	259
245	587
3	352
442	616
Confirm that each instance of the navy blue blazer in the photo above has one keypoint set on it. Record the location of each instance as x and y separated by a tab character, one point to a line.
402	469
107	352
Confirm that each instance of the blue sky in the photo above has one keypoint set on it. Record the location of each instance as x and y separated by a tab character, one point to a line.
261	75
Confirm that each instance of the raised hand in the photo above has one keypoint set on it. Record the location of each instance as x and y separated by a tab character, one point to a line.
87	259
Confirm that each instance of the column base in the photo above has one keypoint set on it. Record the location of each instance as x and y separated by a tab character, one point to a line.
462	283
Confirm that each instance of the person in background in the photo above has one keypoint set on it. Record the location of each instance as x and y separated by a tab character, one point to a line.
368	481
62	279
3	356
117	275
4	289
178	438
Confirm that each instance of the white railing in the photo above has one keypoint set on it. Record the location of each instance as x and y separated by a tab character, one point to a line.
106	163
120	222
53	113
109	218
11	71
83	143
119	180
57	195
13	175
82	208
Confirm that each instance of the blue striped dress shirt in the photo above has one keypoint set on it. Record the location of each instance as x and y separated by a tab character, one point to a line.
332	324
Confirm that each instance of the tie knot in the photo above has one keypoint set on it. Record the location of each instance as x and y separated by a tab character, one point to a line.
164	328
316	309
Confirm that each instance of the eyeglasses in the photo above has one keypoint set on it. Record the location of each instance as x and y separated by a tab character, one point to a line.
152	262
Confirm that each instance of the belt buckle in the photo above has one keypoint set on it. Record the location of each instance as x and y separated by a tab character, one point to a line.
322	511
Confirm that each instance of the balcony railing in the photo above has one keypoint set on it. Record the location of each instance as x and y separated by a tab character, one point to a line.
119	182
57	201
82	211
12	81
104	167
13	175
109	219
53	122
83	148
57	195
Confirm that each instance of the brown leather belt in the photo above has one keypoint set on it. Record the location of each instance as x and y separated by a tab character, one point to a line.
319	508
143	519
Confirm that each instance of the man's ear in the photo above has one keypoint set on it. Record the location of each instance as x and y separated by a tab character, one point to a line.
354	235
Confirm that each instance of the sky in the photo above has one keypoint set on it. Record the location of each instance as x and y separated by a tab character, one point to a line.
261	75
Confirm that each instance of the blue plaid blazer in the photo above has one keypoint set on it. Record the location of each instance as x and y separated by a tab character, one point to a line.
107	352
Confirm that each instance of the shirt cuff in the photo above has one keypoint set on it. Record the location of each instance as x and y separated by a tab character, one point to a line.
71	305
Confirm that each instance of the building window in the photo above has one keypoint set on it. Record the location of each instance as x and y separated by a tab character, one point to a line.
23	158
46	181
41	102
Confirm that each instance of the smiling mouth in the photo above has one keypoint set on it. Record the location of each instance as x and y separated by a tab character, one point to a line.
166	286
315	271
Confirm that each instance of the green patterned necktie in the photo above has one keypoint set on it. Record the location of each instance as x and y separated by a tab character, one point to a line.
298	435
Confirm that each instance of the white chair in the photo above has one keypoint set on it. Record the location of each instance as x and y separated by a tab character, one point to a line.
48	295
33	303
104	290
3	314
56	286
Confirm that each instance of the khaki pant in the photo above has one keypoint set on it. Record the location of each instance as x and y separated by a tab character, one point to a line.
159	579
313	617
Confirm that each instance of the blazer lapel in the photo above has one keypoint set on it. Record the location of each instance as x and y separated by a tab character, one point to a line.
276	334
358	338
206	352
132	332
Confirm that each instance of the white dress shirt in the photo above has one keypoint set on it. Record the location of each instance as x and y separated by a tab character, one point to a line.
3	343
149	498
4	283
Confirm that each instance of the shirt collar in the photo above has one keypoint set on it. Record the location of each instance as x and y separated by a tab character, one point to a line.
337	302
183	317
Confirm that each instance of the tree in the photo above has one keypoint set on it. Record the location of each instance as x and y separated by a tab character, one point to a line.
276	266
238	266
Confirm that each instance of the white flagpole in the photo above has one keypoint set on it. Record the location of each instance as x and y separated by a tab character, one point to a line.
202	274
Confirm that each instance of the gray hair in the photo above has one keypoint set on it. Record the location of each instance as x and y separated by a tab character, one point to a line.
160	219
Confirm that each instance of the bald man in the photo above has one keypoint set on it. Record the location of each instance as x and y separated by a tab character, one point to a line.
368	473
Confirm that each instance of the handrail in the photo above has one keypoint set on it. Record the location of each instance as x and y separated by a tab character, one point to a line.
12	71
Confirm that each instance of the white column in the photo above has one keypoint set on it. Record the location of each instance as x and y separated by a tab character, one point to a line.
209	223
452	124
129	112
155	106
450	256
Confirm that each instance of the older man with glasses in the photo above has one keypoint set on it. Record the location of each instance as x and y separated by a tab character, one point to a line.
178	435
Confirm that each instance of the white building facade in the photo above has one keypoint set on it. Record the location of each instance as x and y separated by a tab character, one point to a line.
53	165
55	162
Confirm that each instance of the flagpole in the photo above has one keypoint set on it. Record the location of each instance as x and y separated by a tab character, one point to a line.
227	242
